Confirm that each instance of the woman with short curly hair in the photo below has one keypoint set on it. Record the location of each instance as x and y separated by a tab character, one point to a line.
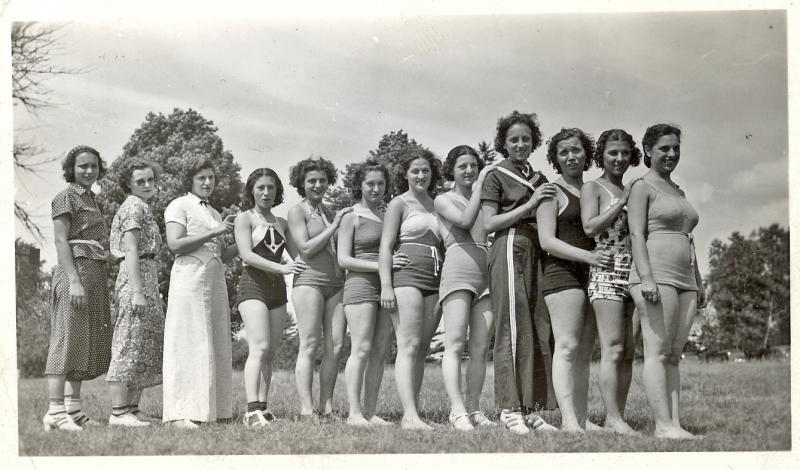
317	290
80	321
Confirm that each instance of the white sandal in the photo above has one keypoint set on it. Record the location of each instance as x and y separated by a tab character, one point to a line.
514	422
461	422
479	420
259	422
536	423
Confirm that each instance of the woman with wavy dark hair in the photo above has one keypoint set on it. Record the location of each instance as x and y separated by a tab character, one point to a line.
262	238
511	193
411	292
665	284
565	274
464	290
80	320
317	291
138	345
604	216
197	330
370	326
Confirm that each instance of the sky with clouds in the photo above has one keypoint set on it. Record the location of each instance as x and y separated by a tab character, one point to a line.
279	90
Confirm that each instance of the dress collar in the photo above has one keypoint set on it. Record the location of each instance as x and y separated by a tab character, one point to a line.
198	200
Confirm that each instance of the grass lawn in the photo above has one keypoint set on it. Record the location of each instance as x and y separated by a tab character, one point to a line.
736	407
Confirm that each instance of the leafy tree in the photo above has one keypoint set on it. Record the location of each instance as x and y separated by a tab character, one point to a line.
749	289
487	153
171	141
33	309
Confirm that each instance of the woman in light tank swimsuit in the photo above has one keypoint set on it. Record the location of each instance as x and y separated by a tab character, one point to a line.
317	291
565	276
411	292
665	284
262	239
370	328
605	218
464	289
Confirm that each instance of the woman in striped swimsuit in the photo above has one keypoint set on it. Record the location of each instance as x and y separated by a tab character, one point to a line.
605	218
411	292
370	328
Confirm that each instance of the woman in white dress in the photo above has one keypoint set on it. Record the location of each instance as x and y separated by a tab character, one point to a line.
197	333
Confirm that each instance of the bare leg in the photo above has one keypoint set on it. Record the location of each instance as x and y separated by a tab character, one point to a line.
633	331
361	322
408	325
567	316
256	326
582	363
481	326
334	328
277	320
687	307
431	316
309	305
375	365
456	310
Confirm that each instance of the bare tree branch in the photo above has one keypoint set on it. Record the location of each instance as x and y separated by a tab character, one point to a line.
27	221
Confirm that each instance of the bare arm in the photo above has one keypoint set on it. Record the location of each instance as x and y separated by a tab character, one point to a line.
391	224
493	222
306	245
595	222
637	224
344	251
290	246
130	241
546	216
61	226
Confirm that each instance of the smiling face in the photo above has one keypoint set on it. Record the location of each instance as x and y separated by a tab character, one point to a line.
203	183
519	142
143	183
315	185
570	156
465	170
666	153
419	175
373	187
616	157
264	192
87	168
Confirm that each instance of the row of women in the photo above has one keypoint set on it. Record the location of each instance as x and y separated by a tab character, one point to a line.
374	268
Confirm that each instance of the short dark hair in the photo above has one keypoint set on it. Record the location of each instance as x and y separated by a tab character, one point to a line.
195	165
616	135
297	173
68	164
452	157
132	164
247	193
655	132
505	123
361	172
405	163
586	142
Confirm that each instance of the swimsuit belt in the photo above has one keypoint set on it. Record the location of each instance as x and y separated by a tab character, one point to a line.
685	234
485	246
434	255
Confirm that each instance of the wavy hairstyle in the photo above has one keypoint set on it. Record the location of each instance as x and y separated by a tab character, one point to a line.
655	132
248	201
586	142
616	135
361	172
401	183
68	164
452	158
132	164
505	123
298	172
195	165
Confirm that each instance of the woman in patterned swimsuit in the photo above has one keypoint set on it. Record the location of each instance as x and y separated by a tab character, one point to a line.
138	345
261	296
80	321
370	327
605	218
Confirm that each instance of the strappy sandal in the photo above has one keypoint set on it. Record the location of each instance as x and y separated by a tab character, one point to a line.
268	415
479	420
59	421
514	422
259	421
461	422
536	423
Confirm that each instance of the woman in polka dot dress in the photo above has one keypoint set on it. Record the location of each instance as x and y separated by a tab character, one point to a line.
80	321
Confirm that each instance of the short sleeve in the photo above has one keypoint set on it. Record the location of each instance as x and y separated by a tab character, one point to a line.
176	212
132	218
62	204
492	188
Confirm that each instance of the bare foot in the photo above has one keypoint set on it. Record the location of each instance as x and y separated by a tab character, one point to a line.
620	427
377	420
591	427
674	433
415	424
572	429
357	420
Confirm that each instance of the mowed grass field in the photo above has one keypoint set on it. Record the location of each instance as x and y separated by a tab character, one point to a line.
735	407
